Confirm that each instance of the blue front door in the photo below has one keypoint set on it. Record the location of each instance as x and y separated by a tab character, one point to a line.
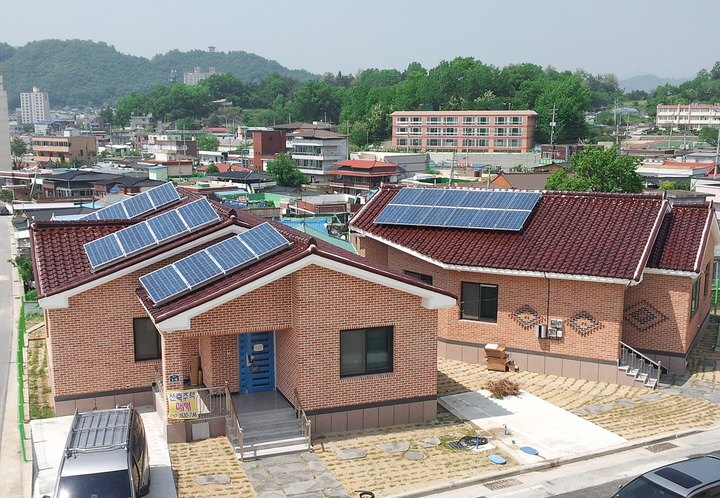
256	352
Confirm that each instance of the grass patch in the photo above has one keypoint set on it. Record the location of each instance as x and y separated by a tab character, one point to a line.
38	382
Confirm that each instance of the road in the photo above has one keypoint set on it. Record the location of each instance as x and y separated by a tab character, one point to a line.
7	322
592	478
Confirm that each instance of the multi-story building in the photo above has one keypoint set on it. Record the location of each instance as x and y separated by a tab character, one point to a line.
65	148
469	131
5	161
197	75
267	144
34	106
687	116
169	147
315	151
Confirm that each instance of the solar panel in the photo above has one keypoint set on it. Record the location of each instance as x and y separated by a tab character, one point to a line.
163	195
198	213
231	253
164	284
512	220
140	204
103	250
134	238
114	212
263	239
525	200
212	263
198	268
459	208
167	225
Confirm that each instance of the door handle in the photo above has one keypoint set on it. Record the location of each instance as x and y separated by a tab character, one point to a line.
250	359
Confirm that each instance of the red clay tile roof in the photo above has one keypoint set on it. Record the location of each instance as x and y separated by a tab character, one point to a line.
683	235
363	163
61	263
574	233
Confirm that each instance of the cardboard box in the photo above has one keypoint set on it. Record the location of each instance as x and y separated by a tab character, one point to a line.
495	352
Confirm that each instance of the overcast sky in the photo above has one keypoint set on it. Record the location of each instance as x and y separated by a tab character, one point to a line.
624	37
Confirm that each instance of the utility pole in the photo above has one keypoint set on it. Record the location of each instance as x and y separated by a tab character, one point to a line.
717	149
552	136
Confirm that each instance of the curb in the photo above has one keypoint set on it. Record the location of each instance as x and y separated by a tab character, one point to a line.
549	464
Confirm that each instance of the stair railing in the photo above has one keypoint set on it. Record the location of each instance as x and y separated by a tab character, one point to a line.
234	419
635	360
304	422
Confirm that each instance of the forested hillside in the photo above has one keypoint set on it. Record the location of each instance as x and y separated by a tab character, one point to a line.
78	72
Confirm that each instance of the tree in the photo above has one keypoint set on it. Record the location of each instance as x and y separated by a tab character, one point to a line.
207	142
285	172
599	170
18	147
212	169
709	135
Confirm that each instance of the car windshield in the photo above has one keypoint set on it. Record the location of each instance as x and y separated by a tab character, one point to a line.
643	488
103	485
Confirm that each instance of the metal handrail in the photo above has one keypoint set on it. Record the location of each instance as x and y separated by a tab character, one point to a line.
639	361
234	419
304	422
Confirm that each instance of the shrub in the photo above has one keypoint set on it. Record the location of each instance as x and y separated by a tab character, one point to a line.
503	387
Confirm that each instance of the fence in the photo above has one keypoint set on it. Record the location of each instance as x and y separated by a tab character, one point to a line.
21	384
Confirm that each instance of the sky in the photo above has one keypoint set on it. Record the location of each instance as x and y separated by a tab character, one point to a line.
624	37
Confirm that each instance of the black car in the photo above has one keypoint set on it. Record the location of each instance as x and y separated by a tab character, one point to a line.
697	478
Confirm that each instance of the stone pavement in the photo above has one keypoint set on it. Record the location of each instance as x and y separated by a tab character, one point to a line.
690	387
300	475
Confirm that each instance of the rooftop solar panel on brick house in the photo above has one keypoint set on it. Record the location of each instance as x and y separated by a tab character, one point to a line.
457	208
150	233
208	265
149	201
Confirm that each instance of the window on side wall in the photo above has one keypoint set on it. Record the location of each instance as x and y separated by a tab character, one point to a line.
708	278
366	351
479	302
147	340
695	297
423	278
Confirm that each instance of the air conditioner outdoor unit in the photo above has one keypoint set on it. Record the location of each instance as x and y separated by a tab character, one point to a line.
541	330
556	323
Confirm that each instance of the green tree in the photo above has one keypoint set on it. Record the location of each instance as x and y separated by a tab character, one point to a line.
709	135
18	147
212	169
188	124
207	142
599	170
571	99
285	172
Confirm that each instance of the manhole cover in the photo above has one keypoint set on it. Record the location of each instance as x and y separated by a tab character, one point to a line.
656	448
503	483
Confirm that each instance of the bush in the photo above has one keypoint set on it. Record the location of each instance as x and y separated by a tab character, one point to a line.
31	295
503	387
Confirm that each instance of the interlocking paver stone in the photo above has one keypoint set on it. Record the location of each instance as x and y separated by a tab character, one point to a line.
414	455
271	494
295	488
317	466
350	454
650	397
258	474
625	402
265	486
213	479
340	491
327	480
397	447
293	477
599	408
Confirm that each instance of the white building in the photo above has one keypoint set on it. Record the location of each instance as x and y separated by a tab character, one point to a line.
687	116
5	161
315	151
197	75
34	106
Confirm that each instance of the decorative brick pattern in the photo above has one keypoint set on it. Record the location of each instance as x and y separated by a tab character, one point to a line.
526	316
584	323
643	315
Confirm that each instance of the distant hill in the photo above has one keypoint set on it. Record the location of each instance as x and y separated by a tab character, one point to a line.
648	82
78	72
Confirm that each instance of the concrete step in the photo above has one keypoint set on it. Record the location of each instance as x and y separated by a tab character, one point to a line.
624	368
252	454
632	372
641	377
651	383
272	432
273	417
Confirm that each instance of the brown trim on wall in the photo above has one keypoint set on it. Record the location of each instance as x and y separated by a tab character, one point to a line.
103	393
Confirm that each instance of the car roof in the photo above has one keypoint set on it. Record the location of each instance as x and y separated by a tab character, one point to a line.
687	476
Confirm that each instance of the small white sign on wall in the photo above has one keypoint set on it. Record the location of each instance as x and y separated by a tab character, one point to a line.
257	347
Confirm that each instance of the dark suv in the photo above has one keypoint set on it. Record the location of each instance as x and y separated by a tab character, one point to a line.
106	455
697	478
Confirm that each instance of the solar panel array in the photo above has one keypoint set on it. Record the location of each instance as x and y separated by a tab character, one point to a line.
150	233
213	263
151	200
482	209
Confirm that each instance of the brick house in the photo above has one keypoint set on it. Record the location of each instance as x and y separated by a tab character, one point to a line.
584	279
304	305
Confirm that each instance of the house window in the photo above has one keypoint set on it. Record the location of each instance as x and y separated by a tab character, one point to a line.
366	351
708	278
147	340
478	302
695	297
423	278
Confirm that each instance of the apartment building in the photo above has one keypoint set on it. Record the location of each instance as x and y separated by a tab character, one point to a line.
469	131
169	147
315	152
687	116
34	106
65	148
197	75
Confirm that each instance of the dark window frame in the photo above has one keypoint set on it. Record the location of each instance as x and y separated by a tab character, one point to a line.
478	302
420	276
143	329
389	340
695	298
